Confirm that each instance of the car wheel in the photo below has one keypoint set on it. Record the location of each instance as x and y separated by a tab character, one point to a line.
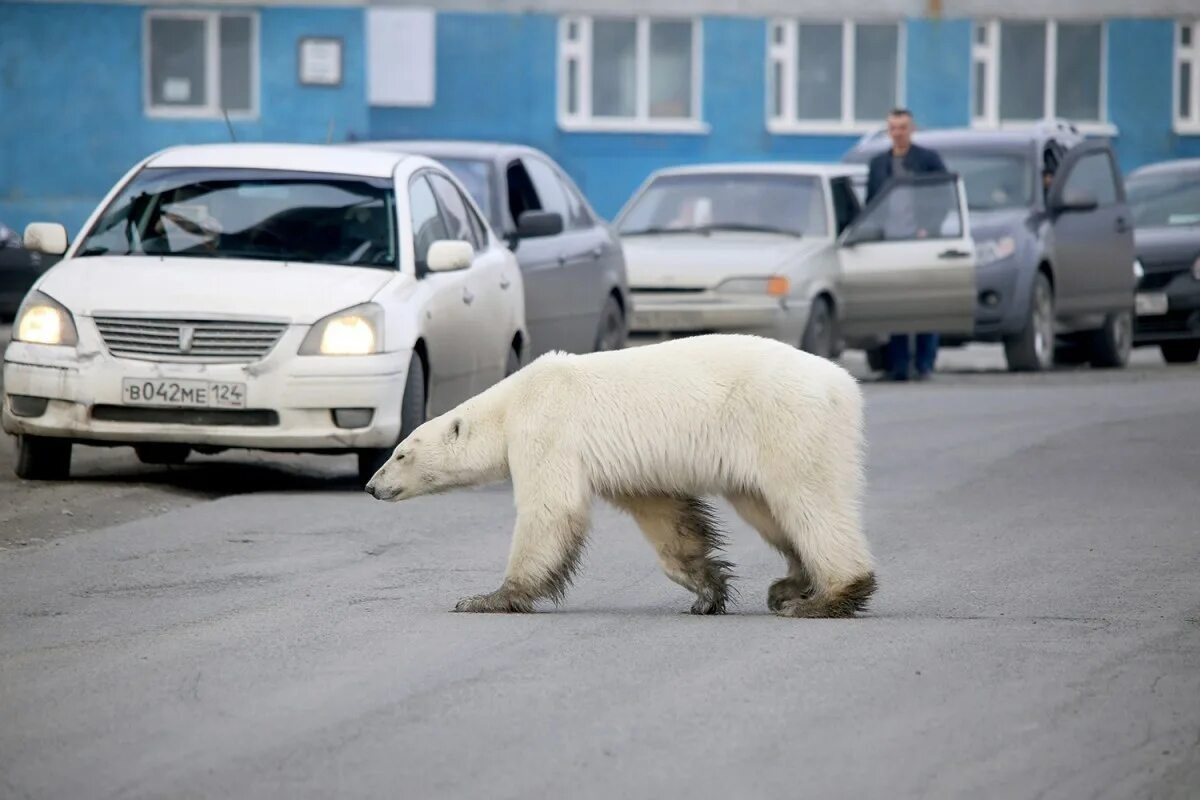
1032	350
43	459
1112	343
413	410
611	334
162	453
1180	352
513	363
820	334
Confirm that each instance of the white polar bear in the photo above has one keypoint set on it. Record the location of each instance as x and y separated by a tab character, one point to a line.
653	429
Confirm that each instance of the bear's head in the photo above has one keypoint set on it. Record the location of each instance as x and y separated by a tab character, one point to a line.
459	448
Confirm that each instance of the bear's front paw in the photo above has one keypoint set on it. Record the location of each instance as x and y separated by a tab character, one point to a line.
785	589
501	601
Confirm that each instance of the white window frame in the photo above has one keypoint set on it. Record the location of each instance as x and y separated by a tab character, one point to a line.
212	66
579	50
784	54
988	54
1191	57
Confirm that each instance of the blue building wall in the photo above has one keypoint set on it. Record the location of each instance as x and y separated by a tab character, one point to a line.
71	93
74	75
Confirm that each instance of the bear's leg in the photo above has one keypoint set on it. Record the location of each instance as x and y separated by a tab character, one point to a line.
547	542
798	583
825	531
684	533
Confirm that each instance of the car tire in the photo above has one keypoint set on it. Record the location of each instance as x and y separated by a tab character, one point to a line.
612	332
413	410
1032	350
1070	354
1111	345
43	459
1180	352
877	358
820	334
162	454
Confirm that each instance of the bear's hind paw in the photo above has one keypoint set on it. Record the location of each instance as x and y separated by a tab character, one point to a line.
501	601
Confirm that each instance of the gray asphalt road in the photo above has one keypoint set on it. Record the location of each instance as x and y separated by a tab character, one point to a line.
250	627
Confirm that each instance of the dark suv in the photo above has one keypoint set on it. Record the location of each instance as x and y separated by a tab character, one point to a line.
1054	241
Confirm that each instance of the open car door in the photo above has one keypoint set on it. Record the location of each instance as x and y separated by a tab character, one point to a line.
908	261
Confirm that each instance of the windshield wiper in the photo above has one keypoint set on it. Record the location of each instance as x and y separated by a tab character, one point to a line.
657	230
739	226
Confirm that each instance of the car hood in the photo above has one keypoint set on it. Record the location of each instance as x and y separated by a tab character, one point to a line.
301	293
987	225
1168	246
700	261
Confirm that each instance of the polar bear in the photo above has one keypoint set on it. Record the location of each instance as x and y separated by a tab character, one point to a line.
653	430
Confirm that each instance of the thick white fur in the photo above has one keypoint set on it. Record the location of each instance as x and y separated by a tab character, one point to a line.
775	430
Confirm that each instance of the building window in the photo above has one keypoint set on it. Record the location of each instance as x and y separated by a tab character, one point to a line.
1187	77
832	76
629	73
200	64
1026	71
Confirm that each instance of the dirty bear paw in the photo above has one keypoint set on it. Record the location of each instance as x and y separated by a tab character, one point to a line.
500	601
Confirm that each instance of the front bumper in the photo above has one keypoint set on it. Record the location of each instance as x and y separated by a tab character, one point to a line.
294	396
1182	320
693	312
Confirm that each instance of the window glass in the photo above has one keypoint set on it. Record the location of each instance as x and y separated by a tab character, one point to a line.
909	210
1022	70
454	210
671	69
1077	84
614	68
819	72
845	203
235	63
427	223
549	189
876	50
1093	174
1164	200
177	73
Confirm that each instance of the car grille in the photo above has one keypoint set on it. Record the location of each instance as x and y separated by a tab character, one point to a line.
224	341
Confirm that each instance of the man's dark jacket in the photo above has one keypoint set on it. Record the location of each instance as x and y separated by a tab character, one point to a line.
917	160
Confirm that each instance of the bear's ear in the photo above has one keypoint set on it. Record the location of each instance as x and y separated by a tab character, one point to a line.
455	427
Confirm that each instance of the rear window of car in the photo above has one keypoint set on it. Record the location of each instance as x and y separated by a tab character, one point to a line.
252	214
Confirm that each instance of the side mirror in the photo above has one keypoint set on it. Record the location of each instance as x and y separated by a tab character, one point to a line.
863	233
1077	201
448	255
539	223
46	237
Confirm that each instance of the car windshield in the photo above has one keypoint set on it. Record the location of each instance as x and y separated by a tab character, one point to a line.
993	180
476	176
1164	200
787	204
250	213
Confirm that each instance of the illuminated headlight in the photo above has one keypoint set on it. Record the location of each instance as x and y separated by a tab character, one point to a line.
1138	270
43	320
992	250
776	286
356	331
1196	268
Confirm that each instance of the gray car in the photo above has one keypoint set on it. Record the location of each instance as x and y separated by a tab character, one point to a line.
572	264
1054	273
1165	198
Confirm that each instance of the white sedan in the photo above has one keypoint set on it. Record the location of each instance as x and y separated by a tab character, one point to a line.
278	297
784	250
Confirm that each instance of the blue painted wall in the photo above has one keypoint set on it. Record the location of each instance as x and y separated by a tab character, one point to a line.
74	75
71	94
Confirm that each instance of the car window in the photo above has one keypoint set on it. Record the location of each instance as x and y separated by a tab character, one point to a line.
521	195
476	175
454	210
993	180
550	192
428	226
909	209
845	203
1164	199
1093	174
579	216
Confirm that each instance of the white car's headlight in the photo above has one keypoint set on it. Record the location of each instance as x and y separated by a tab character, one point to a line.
990	251
1139	271
357	331
776	286
43	320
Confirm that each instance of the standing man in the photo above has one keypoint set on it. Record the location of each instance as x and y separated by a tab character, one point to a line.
905	158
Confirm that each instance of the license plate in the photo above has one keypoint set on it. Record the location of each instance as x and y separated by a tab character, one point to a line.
1150	304
664	319
182	393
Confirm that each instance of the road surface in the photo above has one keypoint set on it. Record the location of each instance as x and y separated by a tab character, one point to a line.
254	626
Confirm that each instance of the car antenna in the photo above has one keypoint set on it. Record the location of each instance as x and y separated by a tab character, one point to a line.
228	124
